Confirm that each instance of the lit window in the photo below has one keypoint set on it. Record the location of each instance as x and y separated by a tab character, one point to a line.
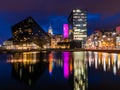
82	14
80	20
73	10
77	10
74	16
77	24
84	24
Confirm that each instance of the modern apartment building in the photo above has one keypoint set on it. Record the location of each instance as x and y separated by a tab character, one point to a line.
78	27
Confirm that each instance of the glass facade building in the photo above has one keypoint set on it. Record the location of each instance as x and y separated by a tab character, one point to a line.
28	31
78	27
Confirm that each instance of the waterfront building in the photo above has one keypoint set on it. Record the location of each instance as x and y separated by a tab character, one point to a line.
65	31
8	44
55	39
118	29
118	37
29	32
78	27
103	39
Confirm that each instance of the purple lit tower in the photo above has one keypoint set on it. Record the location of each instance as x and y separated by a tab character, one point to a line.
65	30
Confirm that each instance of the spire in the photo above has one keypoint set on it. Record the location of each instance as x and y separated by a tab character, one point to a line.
50	31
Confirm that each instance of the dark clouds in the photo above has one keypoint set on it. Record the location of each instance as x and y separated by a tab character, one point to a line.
101	13
107	7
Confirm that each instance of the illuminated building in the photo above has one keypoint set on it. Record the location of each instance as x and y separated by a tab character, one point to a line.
118	29
78	27
55	39
50	30
118	37
65	31
28	31
8	44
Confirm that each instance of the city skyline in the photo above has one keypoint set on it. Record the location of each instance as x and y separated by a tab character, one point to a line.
100	14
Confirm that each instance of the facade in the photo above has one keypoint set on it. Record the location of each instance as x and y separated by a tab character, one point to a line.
65	31
118	29
8	44
118	37
28	31
78	27
54	41
103	39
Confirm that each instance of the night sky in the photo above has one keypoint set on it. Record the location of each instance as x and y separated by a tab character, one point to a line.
101	13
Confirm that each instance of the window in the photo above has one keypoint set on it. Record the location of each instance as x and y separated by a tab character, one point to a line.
77	10
84	24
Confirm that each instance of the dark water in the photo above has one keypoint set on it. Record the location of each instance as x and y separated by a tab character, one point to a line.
60	71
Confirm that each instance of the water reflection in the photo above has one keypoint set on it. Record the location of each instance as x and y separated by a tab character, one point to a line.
80	71
61	67
50	58
103	60
26	66
66	58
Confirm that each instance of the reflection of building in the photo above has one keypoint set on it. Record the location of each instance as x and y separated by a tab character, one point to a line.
50	58
28	31
66	65
58	59
26	68
108	62
78	23
80	71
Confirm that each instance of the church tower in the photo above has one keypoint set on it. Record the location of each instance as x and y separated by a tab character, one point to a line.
50	30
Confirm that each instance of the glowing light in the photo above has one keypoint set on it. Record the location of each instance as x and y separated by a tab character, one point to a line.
50	63
65	30
104	61
96	59
109	61
66	64
25	58
71	67
118	28
114	70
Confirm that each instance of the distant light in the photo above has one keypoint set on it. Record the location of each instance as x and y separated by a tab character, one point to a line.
108	38
118	28
104	36
114	33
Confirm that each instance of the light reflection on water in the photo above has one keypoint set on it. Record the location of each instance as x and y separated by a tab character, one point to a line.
28	67
69	70
80	71
108	61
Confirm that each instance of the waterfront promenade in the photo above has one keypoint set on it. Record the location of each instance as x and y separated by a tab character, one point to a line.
55	49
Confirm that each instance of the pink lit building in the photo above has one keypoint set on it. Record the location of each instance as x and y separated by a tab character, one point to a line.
65	31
